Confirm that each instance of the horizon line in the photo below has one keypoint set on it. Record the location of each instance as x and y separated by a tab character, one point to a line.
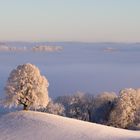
67	41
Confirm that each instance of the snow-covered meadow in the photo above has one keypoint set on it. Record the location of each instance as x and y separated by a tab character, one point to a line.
42	126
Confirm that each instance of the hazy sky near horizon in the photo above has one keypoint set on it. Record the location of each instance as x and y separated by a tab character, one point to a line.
70	20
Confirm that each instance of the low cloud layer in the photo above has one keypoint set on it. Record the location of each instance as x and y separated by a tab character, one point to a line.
5	48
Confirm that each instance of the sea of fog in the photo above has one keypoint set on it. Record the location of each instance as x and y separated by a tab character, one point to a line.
87	67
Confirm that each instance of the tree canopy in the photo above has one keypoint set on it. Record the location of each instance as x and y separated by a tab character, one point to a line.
26	86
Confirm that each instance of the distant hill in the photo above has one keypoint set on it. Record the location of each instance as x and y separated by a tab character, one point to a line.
6	48
2	44
28	125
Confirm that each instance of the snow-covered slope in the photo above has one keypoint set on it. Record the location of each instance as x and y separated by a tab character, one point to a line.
28	125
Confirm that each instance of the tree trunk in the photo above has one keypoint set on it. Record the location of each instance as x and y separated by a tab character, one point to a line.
89	114
25	107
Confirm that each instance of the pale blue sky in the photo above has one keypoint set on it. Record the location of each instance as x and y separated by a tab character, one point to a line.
70	20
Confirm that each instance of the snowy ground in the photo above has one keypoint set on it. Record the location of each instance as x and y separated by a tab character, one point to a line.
28	125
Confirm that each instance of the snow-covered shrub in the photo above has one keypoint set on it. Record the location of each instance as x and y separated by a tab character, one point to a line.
125	109
54	108
77	106
103	105
25	86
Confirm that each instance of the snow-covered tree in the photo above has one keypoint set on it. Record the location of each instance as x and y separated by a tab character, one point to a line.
25	86
125	109
54	108
77	106
136	122
103	105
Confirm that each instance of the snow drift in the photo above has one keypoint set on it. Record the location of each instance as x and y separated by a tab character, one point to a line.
30	125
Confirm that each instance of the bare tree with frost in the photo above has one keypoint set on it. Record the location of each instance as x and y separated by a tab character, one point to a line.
25	86
103	105
77	106
54	108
